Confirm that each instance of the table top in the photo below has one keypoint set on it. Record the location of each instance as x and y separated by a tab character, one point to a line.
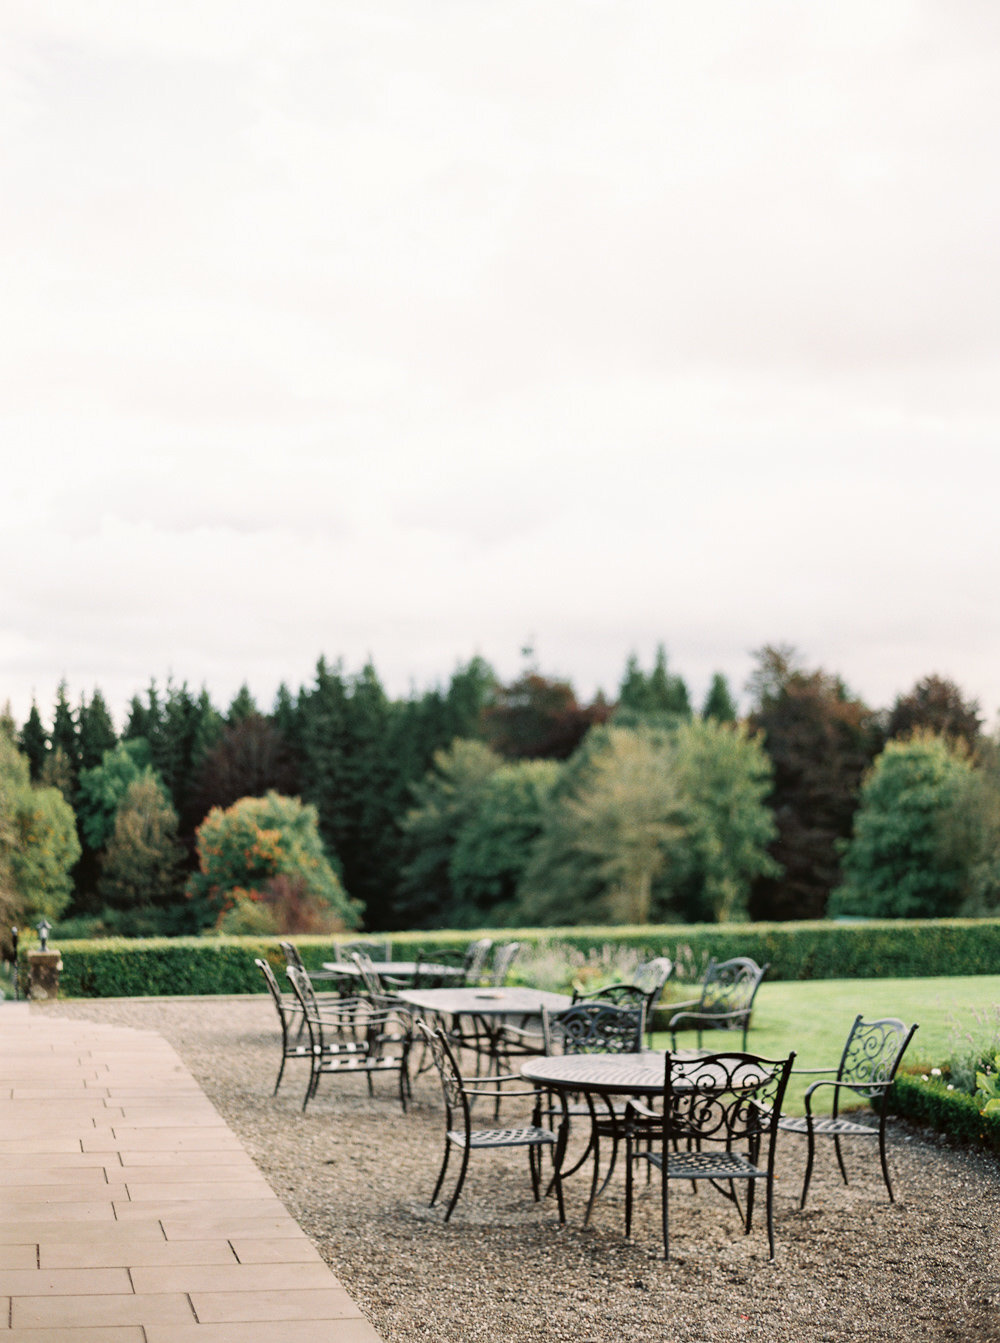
512	1002
402	969
607	1074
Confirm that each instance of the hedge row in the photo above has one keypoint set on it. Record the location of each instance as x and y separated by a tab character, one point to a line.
951	1112
121	967
877	949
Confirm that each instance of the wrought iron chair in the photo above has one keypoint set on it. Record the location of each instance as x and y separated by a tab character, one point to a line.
646	988
726	1002
867	1068
353	1040
728	1100
593	1028
336	978
468	1032
476	955
503	958
459	1093
290	1013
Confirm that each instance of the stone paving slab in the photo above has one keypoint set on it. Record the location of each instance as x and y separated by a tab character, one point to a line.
130	1212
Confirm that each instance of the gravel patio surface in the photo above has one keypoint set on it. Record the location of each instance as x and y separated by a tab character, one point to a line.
357	1173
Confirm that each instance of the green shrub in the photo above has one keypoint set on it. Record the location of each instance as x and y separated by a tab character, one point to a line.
953	1112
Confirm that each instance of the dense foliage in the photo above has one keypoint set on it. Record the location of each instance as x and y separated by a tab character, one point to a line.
480	802
259	855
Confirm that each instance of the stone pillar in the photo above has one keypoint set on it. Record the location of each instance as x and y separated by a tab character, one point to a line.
43	974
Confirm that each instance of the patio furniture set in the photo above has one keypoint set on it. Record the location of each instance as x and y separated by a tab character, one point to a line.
586	1064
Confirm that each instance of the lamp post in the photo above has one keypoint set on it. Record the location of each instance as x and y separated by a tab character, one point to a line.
43	965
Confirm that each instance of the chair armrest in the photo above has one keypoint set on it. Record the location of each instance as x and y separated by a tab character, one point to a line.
849	1086
478	1091
742	1014
634	1106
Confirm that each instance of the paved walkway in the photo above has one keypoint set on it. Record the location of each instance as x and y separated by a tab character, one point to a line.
129	1211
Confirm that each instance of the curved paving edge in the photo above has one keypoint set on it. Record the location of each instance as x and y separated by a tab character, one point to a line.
129	1210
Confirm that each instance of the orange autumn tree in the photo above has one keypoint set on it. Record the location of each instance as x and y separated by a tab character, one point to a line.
262	868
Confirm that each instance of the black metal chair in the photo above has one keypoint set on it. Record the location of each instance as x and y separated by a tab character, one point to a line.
868	1066
467	1032
459	1094
290	1014
593	1028
338	981
503	958
353	1039
726	1002
646	988
726	1100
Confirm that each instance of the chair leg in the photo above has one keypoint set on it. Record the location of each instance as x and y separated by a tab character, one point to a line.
883	1158
840	1156
461	1181
770	1215
281	1073
557	1159
441	1173
810	1154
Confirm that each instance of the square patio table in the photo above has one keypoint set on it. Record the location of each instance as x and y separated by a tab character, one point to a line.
489	1008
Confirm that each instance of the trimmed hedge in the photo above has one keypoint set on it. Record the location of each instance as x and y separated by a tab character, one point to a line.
951	1112
887	948
876	949
119	967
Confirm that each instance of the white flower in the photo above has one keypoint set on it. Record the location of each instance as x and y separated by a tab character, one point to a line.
924	1077
935	1072
951	1086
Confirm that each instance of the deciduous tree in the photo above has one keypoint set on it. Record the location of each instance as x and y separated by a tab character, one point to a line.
936	705
821	740
242	849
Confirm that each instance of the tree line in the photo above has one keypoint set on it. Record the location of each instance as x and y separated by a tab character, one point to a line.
479	802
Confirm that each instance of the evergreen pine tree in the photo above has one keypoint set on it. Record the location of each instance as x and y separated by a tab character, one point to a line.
34	742
719	702
97	731
65	738
243	706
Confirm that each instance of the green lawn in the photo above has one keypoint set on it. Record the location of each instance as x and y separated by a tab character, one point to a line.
813	1018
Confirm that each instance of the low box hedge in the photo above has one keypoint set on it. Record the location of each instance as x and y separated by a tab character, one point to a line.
123	967
953	1112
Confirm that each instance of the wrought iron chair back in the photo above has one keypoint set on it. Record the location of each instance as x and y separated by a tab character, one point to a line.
503	959
289	1013
292	955
872	1055
448	1071
651	976
373	947
369	976
646	988
475	959
594	1028
726	1002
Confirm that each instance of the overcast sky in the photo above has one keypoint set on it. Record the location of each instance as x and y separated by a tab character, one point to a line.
417	329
